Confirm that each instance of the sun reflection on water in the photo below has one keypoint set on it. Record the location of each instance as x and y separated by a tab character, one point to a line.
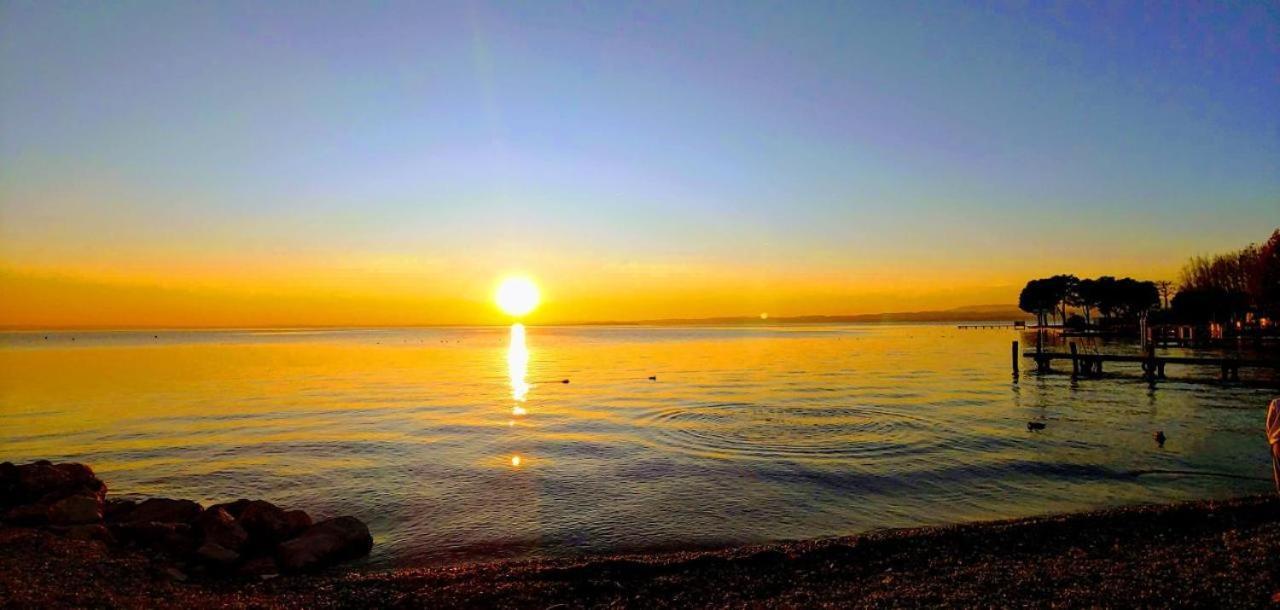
518	370
518	367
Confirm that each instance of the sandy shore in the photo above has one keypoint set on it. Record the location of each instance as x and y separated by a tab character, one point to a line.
1210	553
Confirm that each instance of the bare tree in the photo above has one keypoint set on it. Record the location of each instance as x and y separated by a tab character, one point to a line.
1166	288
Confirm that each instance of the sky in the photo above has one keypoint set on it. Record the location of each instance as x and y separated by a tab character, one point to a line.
294	164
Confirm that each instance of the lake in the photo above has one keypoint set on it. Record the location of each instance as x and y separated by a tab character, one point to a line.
465	444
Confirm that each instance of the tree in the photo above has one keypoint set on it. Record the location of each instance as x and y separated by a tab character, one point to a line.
1060	288
1135	298
1246	281
1166	288
1106	296
1084	297
1201	305
1038	298
1266	286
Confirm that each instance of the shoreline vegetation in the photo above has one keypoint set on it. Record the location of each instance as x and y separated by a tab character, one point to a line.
1223	553
1234	294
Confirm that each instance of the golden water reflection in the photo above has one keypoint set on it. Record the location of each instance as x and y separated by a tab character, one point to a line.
518	370
518	367
746	435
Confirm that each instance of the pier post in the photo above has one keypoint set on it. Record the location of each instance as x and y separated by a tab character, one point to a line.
1014	354
1075	362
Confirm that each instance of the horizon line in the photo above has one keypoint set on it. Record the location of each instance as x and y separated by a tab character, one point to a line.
961	313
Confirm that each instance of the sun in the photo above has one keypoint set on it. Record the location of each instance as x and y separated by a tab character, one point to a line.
517	296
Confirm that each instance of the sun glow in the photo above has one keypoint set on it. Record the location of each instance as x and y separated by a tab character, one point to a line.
517	296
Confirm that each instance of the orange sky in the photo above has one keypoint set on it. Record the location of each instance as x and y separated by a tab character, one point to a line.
375	291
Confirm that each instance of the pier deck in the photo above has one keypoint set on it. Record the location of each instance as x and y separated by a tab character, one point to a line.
1152	364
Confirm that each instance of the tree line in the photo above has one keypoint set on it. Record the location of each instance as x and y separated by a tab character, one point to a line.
1114	300
1241	287
1232	287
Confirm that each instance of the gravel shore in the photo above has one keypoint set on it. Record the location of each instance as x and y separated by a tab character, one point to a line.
1208	553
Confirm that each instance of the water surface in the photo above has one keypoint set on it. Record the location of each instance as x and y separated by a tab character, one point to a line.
465	444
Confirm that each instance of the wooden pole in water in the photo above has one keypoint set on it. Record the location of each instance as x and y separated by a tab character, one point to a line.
1075	364
1014	353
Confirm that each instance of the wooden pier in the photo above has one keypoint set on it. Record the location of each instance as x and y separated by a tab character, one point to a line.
1153	365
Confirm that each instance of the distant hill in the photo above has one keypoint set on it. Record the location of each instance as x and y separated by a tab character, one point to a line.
968	313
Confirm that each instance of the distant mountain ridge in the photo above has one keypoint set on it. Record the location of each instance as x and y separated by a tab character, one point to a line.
968	313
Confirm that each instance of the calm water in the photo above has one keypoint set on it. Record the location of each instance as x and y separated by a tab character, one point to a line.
463	443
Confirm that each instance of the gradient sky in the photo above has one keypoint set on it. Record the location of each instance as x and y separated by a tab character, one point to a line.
247	164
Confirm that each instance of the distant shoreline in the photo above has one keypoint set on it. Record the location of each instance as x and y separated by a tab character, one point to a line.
978	313
1223	553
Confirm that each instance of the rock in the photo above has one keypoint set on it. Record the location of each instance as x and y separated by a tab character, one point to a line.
325	543
219	527
217	555
76	510
28	515
177	539
8	483
163	510
115	510
259	566
173	573
269	525
94	531
233	508
51	482
298	521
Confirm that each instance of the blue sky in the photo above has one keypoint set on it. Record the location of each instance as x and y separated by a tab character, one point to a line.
712	135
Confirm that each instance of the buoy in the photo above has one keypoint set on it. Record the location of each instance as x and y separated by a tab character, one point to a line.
1160	437
653	377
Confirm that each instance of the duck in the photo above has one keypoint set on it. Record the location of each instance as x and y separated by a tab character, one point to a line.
1160	437
1035	425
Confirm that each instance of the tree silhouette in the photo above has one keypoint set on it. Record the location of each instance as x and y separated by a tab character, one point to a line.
1243	282
1166	288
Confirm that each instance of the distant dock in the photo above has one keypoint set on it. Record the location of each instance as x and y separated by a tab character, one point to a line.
1015	324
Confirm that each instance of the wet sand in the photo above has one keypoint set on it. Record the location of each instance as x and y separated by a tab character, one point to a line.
1207	553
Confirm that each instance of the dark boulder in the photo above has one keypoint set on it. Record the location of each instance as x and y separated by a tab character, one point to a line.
217	555
115	510
176	539
269	524
163	510
79	509
219	527
259	566
27	515
298	521
93	531
325	543
49	482
233	508
8	483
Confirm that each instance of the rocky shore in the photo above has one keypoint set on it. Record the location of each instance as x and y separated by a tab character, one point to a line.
244	538
1192	554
